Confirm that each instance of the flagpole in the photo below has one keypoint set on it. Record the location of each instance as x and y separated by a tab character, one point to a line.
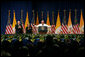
22	21
22	16
75	15
64	16
42	15
33	16
47	17
64	12
36	19
8	17
53	17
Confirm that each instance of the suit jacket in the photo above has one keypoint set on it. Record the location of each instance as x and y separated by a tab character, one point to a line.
29	31
19	30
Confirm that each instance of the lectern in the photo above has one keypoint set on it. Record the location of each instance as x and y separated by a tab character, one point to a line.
42	29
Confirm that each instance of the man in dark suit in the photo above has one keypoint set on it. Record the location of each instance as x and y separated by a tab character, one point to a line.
29	29
18	28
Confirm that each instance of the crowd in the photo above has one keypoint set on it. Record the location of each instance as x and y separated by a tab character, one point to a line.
50	47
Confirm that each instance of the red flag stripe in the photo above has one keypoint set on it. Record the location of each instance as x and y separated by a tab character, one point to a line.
64	29
9	29
6	30
34	29
53	29
76	29
23	27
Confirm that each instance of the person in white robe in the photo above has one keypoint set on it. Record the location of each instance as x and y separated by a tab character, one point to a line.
43	24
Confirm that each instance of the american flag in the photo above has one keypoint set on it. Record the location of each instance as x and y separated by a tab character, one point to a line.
9	29
76	29
23	28
53	29
34	28
64	29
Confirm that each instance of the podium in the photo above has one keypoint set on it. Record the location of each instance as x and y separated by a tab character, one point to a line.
42	29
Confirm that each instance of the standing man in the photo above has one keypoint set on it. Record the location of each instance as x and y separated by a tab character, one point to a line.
43	27
18	28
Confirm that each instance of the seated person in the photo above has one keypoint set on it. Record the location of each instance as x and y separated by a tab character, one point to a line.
29	29
18	28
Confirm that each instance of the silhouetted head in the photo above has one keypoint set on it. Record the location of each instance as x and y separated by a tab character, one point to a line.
42	22
18	22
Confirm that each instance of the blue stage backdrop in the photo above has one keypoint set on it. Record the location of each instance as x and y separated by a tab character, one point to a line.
38	6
